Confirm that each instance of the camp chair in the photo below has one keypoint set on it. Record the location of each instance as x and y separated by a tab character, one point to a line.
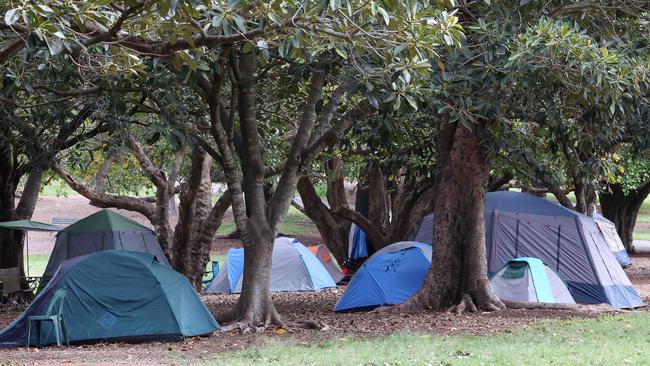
52	314
215	270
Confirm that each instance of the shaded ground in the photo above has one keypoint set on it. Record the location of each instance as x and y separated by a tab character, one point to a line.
294	307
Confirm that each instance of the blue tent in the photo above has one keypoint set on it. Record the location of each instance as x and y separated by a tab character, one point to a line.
294	268
117	295
388	277
608	229
570	243
358	243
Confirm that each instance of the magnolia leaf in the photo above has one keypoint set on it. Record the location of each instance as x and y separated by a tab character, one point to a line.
11	16
384	14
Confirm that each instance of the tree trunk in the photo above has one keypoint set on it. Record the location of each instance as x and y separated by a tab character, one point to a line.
458	272
622	209
11	241
254	306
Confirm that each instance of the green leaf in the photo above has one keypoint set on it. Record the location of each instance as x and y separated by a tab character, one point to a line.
341	52
385	15
11	16
274	18
241	23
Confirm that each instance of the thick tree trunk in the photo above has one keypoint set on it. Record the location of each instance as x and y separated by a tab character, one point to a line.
254	307
458	272
11	241
622	209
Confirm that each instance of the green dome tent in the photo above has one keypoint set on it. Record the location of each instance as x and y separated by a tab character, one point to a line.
117	295
103	230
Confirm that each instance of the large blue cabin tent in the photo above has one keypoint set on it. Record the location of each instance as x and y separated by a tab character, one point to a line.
571	244
388	277
117	295
294	268
613	240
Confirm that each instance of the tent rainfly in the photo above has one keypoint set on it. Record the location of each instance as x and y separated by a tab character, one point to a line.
389	277
103	230
116	295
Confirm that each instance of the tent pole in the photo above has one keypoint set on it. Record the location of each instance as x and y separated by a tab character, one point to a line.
27	247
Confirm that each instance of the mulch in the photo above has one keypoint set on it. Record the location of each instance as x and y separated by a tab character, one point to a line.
294	307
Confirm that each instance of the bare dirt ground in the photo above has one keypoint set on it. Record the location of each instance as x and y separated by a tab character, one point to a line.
292	306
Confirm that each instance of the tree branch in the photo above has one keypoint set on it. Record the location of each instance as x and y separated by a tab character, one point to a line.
106	200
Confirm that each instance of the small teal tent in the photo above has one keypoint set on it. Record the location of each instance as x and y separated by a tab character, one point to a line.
529	280
117	295
388	277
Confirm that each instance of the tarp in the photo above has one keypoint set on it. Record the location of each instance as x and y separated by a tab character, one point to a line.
103	230
358	243
294	268
28	225
522	225
388	277
118	295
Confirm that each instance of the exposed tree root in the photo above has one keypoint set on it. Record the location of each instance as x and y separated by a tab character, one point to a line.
468	303
251	321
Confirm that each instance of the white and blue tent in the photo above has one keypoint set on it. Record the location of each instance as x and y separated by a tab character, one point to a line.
529	280
294	268
570	243
608	229
388	277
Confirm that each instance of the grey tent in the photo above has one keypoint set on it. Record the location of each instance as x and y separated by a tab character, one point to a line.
522	225
294	268
103	230
529	280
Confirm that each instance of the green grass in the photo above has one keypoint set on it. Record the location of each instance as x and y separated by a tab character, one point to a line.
614	340
37	264
295	223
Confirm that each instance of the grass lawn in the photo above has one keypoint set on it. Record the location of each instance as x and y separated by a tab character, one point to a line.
37	264
295	223
614	340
